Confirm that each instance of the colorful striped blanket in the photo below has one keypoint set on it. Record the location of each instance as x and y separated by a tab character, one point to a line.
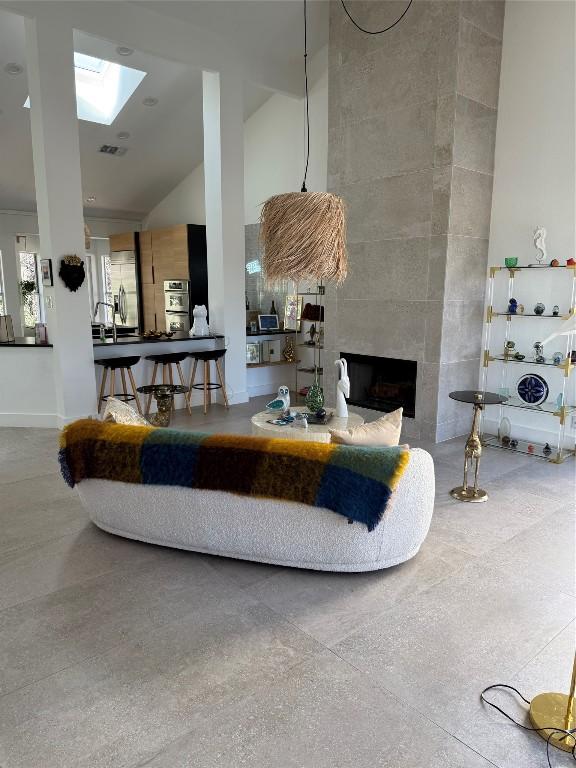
354	481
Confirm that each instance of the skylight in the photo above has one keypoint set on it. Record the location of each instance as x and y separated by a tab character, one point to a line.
102	88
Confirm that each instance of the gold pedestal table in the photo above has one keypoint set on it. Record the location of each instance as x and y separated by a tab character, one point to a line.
473	447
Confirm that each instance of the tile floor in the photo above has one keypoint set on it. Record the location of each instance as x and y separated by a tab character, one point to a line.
116	654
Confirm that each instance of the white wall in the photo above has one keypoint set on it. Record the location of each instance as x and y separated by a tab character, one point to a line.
273	155
534	176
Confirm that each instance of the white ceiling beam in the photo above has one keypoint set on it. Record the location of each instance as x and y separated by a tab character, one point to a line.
151	32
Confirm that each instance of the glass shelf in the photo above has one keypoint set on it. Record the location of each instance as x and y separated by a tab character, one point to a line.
547	407
525	314
537	451
503	359
532	267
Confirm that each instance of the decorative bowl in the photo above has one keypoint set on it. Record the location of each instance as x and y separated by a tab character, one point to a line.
511	261
532	389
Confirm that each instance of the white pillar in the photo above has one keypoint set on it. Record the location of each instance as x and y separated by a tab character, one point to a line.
56	154
224	192
11	275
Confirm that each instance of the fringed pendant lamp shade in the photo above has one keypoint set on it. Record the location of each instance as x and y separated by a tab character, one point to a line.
304	236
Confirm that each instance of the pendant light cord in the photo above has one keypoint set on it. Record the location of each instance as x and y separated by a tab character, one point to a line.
375	31
306	100
303	188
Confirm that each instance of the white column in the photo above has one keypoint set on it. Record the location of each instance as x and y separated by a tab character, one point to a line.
56	153
11	275
224	193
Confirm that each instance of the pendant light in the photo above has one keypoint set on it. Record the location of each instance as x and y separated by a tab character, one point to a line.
303	234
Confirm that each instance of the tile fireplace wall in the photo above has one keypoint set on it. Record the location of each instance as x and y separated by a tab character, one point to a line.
412	123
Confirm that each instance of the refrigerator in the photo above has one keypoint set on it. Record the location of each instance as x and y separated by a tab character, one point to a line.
124	288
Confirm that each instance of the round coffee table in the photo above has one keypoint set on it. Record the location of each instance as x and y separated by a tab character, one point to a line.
317	433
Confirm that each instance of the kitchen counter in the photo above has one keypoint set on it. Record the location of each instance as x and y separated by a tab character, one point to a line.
23	341
138	339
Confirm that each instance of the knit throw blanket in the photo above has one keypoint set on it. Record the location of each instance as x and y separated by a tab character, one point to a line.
354	481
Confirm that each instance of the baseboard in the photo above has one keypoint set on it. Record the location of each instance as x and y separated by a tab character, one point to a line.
42	420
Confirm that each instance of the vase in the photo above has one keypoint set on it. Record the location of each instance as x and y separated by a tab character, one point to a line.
315	397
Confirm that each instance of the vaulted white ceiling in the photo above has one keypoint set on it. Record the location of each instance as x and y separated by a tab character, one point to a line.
165	141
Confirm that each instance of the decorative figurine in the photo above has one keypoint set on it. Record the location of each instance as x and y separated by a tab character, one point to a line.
312	334
539	308
540	244
300	421
539	352
505	440
315	398
554	263
280	403
342	389
289	351
504	430
555	310
509	349
511	261
570	262
519	356
557	358
530	448
520	309
513	443
512	306
560	400
200	326
547	450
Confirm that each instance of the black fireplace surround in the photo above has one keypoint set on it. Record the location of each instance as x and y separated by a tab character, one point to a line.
382	383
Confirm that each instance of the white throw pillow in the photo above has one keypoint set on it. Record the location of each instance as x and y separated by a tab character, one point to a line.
384	431
122	413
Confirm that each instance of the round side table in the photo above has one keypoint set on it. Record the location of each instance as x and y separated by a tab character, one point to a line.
317	433
164	396
473	447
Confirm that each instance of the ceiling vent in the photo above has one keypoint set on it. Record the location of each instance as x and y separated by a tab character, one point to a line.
110	149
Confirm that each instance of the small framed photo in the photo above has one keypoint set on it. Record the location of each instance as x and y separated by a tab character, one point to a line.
292	312
268	322
253	353
46	272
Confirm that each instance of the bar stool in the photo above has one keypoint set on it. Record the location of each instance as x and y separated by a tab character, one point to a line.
167	361
206	357
123	364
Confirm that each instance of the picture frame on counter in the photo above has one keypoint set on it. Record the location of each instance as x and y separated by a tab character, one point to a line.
268	323
253	353
46	272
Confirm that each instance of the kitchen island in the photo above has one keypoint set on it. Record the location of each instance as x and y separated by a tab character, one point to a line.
27	385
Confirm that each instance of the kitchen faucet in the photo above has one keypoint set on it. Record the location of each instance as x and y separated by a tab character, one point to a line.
113	308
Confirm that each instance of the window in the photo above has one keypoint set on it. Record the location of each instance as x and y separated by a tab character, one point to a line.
30	290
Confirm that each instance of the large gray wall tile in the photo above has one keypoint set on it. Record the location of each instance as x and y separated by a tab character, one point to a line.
396	206
437	256
466	267
442	192
385	145
478	65
462	330
474	135
471	203
387	269
444	132
488	15
452	377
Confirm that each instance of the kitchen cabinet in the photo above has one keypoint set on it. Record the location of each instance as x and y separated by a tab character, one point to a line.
126	241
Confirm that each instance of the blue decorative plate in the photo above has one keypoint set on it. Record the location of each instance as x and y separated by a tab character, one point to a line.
532	389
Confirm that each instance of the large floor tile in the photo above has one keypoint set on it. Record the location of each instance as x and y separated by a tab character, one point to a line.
320	714
488	732
330	606
428	649
243	573
545	551
59	563
27	493
122	707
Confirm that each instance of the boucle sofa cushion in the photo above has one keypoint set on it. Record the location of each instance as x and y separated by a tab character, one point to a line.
384	431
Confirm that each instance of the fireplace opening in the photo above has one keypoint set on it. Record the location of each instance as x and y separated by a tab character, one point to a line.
382	383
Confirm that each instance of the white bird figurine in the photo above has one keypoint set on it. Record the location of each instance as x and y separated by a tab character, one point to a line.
342	389
280	403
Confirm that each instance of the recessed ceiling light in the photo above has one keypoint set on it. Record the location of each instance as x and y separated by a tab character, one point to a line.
123	50
150	101
122	135
13	69
91	199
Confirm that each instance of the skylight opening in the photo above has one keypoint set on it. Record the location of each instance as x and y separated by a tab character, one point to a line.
102	88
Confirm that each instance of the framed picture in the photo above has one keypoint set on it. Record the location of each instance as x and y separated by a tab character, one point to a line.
46	272
253	353
268	322
292	312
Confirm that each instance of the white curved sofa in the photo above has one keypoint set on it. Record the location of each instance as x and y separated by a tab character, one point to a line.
267	530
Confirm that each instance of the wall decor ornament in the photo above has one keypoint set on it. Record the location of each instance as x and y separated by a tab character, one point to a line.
532	389
342	388
540	244
46	272
72	272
